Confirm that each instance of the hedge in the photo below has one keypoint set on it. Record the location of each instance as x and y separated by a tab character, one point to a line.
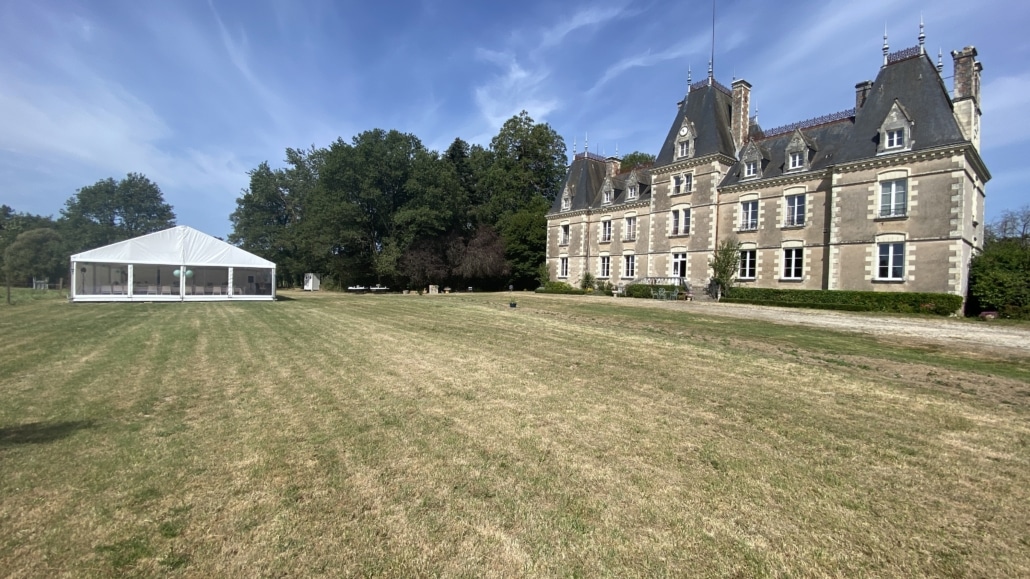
643	290
558	287
904	302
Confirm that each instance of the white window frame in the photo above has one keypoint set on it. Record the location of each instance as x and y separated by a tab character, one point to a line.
563	267
629	266
895	138
793	263
683	149
795	215
893	263
606	231
750	168
605	266
797	160
748	268
688	182
631	228
677	184
890	192
631	192
564	234
749	222
606	197
565	204
679	265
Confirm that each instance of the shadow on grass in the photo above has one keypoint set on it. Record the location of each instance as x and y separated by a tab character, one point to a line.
41	432
281	298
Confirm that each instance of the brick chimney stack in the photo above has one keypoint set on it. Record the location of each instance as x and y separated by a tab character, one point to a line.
740	122
862	93
967	93
613	166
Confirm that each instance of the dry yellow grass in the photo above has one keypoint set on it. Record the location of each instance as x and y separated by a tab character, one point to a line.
422	436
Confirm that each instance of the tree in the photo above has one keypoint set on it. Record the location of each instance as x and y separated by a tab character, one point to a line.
724	265
35	253
110	211
999	275
13	224
637	159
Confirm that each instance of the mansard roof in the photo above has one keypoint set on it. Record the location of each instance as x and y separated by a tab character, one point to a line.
825	141
708	108
915	84
585	184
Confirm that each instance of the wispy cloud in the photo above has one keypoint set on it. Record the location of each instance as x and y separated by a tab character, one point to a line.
586	17
515	89
645	60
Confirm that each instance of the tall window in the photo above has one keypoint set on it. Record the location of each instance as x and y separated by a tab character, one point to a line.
747	264
631	228
564	237
749	215
892	261
606	230
679	222
797	160
606	266
793	263
631	192
894	198
565	203
607	198
677	184
895	138
684	148
563	267
750	168
688	182
795	211
629	265
679	264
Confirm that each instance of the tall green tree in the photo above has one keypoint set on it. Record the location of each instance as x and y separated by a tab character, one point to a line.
109	211
36	253
14	223
999	275
637	159
724	265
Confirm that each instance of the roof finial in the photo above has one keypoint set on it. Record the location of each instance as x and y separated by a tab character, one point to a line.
573	147
940	60
922	35
616	148
886	49
586	143
711	61
688	78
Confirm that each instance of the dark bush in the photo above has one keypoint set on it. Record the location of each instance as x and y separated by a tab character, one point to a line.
904	302
643	290
558	287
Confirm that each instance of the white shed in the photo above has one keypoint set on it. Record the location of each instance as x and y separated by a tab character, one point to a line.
177	264
312	282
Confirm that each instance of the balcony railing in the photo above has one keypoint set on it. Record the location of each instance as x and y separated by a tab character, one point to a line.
749	225
794	221
896	211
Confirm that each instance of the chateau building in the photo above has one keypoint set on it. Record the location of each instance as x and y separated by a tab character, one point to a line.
887	196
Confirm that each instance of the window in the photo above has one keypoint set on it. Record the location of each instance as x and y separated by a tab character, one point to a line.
564	237
631	193
564	203
684	149
677	185
631	229
563	267
680	222
606	231
797	160
793	261
892	261
629	265
607	196
749	216
747	264
682	183
606	266
679	265
795	211
893	198
688	182
895	138
750	168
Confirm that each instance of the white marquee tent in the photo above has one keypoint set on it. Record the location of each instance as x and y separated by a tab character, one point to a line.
177	264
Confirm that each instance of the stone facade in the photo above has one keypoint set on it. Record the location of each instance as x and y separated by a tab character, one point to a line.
888	196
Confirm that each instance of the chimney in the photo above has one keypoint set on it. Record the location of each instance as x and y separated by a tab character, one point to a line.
967	74
862	93
967	93
613	165
740	123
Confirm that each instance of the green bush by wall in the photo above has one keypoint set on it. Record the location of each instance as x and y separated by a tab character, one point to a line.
903	302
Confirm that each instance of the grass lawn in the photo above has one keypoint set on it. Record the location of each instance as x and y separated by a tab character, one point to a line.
452	435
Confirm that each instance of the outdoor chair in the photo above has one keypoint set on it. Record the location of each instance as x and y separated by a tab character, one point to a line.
105	290
166	290
151	290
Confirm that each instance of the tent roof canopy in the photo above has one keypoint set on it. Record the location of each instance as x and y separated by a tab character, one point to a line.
179	245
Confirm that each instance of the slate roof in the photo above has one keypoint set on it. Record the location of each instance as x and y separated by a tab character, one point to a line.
708	108
826	141
585	181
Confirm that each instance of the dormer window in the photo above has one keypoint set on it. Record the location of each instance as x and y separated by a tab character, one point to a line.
750	168
607	198
896	139
685	141
684	149
798	151
797	160
896	130
631	192
565	203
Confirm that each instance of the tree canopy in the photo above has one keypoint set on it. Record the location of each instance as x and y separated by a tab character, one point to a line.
999	276
109	211
637	159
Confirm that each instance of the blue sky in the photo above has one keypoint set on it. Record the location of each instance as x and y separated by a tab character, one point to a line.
194	93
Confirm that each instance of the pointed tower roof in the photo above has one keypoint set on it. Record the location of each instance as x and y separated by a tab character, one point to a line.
707	106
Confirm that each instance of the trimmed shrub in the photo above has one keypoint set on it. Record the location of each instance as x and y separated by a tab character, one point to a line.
558	287
647	291
902	302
